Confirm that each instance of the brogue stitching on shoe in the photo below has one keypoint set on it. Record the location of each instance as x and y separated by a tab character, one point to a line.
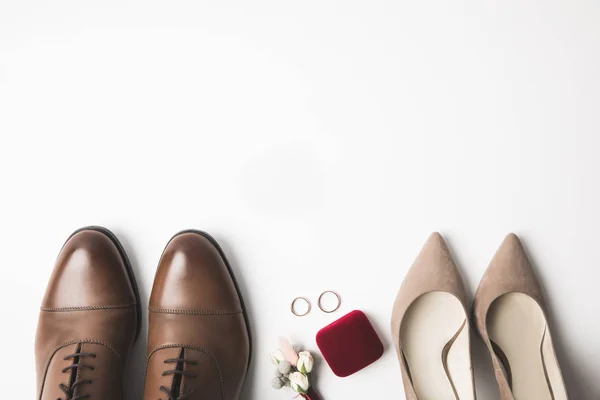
195	312
200	349
88	308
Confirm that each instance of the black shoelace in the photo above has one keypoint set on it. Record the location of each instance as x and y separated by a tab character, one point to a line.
69	390
178	371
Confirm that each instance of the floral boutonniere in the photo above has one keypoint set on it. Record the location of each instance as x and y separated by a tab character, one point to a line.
293	370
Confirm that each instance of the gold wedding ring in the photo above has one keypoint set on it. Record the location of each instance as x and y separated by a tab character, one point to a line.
336	307
293	306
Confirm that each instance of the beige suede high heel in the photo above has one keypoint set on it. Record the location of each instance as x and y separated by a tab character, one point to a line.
430	328
510	315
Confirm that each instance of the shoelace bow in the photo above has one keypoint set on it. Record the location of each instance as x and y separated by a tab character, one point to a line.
177	371
68	391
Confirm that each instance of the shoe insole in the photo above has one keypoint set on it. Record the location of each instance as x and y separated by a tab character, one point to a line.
435	343
518	329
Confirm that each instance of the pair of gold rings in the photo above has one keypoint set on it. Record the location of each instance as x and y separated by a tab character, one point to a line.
309	306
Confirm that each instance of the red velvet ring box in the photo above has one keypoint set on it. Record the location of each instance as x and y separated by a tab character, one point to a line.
349	344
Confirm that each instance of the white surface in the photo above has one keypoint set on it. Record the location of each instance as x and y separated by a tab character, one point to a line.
320	142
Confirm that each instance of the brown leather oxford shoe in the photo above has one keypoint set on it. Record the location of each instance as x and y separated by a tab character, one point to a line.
89	320
198	337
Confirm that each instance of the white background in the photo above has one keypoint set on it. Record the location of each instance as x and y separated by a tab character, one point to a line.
320	142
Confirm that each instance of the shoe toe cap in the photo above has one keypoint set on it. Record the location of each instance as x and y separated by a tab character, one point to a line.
193	276
89	272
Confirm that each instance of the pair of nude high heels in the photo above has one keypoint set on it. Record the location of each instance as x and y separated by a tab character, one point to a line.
431	328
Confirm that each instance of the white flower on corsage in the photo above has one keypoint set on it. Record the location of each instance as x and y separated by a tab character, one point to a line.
293	369
299	382
305	362
277	357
